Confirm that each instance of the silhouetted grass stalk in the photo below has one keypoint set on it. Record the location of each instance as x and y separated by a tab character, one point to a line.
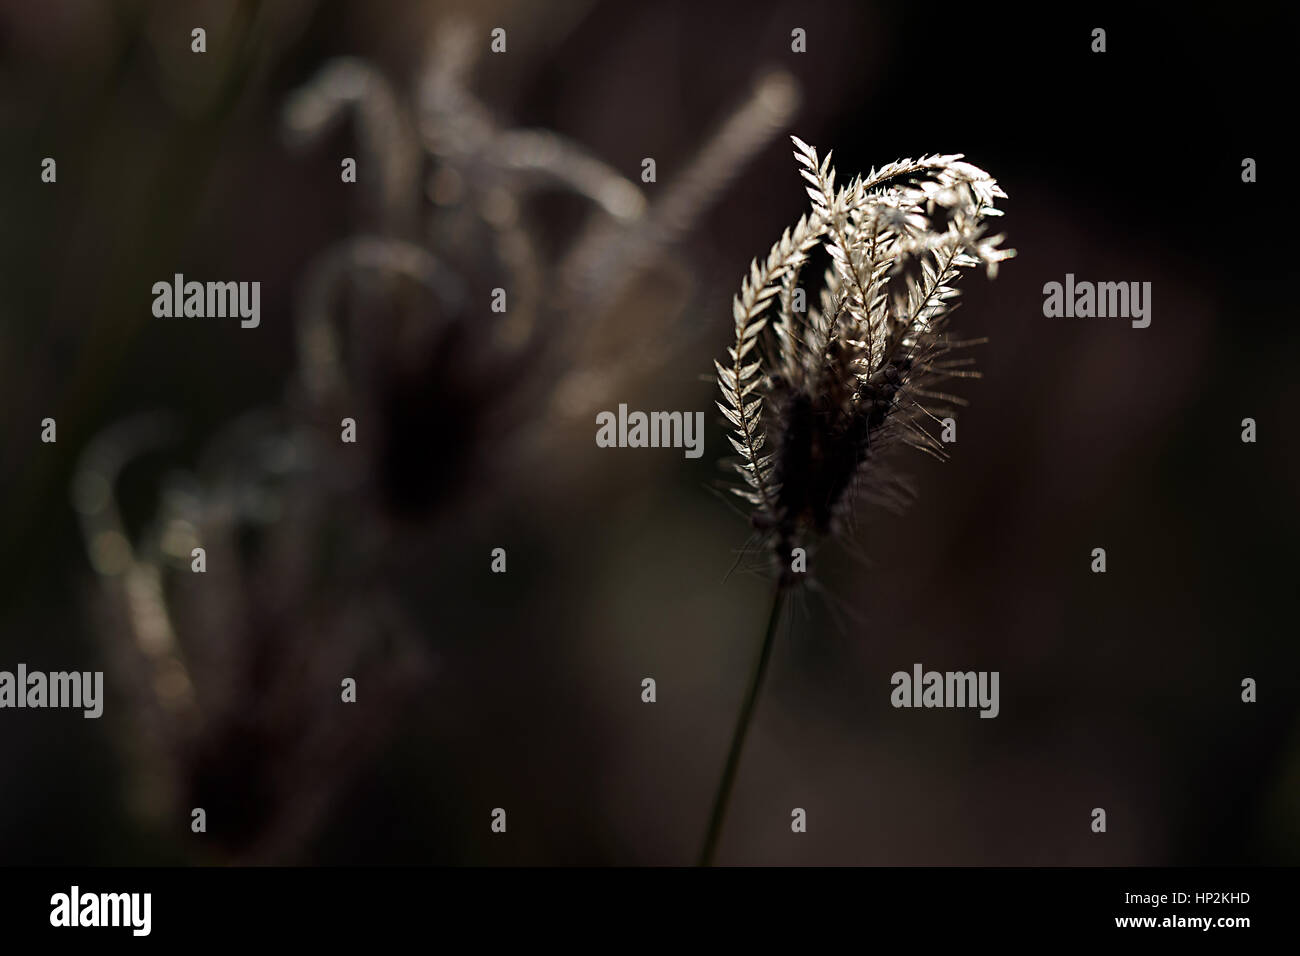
816	395
723	796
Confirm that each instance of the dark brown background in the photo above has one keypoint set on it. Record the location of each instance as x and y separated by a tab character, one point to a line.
1119	691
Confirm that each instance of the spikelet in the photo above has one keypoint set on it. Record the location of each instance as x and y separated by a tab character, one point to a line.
815	397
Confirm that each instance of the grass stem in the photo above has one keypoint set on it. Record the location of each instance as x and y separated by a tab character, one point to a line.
723	796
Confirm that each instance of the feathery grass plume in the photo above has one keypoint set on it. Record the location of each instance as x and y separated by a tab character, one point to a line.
816	398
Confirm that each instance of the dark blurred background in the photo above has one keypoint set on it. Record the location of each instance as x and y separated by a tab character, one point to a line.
522	690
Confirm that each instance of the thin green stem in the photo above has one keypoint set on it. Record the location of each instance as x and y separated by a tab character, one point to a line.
742	728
